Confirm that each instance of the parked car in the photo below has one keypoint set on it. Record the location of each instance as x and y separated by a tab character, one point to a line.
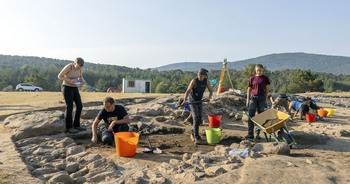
114	90
91	89
28	87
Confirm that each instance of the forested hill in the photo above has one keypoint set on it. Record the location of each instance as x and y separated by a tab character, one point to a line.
274	62
42	62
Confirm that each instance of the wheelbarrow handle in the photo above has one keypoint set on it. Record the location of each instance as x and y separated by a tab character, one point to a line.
247	114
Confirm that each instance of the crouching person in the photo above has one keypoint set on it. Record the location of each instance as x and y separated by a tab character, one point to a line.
116	119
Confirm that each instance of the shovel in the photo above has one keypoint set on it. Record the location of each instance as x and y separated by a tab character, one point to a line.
187	103
151	148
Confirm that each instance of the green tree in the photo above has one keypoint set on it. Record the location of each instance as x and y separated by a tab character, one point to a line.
303	81
37	80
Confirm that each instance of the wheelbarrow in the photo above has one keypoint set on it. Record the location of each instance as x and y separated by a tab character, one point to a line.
270	132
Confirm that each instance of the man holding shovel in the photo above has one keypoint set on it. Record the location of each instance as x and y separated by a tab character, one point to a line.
116	120
195	93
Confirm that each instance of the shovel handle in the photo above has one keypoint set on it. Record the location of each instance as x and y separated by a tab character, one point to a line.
144	128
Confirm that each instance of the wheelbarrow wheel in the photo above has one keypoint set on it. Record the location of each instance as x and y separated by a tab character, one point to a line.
284	136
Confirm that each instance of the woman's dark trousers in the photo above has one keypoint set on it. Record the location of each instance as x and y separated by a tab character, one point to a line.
71	94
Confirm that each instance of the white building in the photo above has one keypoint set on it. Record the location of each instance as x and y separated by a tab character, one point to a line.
137	85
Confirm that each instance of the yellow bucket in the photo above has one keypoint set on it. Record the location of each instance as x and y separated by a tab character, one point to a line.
330	112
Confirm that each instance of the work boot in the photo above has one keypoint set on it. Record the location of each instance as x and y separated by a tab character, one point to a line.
198	140
192	138
249	136
258	136
72	131
80	128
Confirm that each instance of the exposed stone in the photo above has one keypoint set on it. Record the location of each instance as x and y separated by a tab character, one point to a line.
34	124
198	155
97	163
134	165
308	161
245	144
79	180
238	116
157	180
89	113
42	171
174	162
304	138
60	166
98	177
41	151
75	150
235	159
166	168
59	153
279	148
188	177
160	118
65	142
47	158
234	146
222	149
186	157
151	174
72	167
60	177
140	174
215	171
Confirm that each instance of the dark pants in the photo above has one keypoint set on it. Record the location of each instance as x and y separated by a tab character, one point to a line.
71	94
303	110
196	110
108	136
255	103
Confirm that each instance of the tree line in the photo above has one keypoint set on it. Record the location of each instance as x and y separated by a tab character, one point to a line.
175	81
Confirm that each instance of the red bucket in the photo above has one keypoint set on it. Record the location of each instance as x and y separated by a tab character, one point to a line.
310	117
214	121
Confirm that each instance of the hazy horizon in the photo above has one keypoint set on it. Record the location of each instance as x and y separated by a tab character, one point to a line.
149	34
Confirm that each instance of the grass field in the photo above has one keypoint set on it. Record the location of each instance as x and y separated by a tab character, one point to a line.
14	102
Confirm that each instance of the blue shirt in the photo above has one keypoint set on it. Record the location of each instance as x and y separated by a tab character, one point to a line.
296	105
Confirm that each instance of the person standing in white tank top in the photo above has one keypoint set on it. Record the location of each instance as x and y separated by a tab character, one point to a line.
71	75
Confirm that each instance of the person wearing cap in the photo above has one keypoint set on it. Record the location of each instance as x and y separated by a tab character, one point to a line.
116	119
280	100
195	93
257	96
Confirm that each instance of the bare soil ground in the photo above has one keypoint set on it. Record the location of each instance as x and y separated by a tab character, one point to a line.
333	156
15	102
173	146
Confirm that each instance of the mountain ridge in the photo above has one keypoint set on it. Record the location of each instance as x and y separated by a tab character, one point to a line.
276	61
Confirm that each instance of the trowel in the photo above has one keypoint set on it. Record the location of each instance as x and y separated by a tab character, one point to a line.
151	148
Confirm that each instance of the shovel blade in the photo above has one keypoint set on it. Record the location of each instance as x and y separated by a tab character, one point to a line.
171	106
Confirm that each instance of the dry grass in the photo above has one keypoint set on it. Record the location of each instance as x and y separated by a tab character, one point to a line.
343	94
14	102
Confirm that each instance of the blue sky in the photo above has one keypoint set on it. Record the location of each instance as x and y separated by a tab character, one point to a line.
152	33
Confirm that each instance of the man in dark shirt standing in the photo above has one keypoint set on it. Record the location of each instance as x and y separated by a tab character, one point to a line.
116	120
257	96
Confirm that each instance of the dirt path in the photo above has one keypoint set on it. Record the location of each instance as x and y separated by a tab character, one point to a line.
12	169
